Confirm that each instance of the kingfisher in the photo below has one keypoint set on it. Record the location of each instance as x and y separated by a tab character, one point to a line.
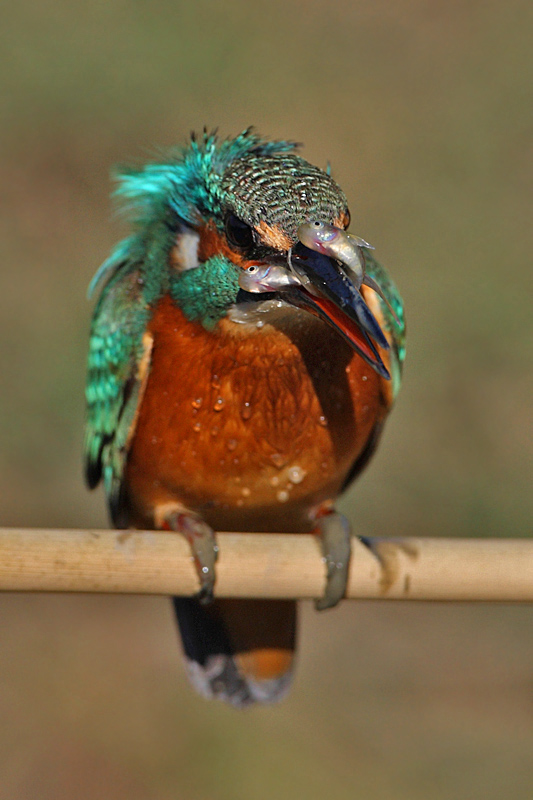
244	353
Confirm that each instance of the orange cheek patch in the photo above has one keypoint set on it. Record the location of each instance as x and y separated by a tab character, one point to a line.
274	236
212	243
343	221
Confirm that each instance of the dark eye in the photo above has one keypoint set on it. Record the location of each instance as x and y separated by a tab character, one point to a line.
238	233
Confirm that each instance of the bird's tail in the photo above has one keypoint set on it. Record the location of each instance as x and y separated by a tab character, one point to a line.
240	651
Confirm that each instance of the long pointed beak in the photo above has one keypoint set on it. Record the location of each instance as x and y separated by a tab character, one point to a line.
329	291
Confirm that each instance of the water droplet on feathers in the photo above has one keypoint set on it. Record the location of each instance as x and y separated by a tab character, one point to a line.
296	474
196	427
278	460
231	444
246	410
282	496
197	402
219	404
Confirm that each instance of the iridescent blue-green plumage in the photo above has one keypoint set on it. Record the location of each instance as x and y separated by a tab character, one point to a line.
112	392
205	293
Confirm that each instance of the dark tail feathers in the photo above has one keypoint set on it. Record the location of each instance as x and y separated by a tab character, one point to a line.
240	651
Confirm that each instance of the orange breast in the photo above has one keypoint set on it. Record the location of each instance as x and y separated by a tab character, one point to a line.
252	428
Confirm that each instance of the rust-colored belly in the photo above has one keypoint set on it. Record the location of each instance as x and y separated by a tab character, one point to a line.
252	429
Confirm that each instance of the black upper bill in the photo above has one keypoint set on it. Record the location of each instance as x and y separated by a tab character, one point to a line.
328	277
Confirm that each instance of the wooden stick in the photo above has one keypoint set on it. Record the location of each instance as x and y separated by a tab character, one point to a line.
264	565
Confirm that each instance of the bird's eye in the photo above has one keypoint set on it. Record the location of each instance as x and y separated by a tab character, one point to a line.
238	233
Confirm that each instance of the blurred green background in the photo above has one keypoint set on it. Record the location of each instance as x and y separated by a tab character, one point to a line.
424	109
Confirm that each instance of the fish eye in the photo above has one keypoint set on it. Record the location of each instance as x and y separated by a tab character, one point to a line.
238	233
252	269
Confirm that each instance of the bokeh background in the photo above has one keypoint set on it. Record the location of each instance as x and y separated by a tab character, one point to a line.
424	109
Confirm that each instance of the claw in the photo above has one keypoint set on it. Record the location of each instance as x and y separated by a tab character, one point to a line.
201	538
335	539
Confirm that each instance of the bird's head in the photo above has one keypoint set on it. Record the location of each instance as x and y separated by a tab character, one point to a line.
245	222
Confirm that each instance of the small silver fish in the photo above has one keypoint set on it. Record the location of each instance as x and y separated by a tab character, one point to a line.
344	247
336	243
266	278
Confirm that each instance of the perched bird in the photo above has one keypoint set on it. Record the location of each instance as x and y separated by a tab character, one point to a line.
244	353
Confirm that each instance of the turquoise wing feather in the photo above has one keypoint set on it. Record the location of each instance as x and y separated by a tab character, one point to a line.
118	363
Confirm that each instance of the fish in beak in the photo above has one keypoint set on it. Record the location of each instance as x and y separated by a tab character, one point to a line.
324	274
344	247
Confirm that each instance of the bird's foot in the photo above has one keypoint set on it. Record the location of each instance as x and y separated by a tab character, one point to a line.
204	548
335	539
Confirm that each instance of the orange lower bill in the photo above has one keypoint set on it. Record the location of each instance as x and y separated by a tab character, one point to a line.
350	331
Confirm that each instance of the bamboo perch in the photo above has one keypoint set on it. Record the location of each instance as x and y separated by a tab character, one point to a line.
265	565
